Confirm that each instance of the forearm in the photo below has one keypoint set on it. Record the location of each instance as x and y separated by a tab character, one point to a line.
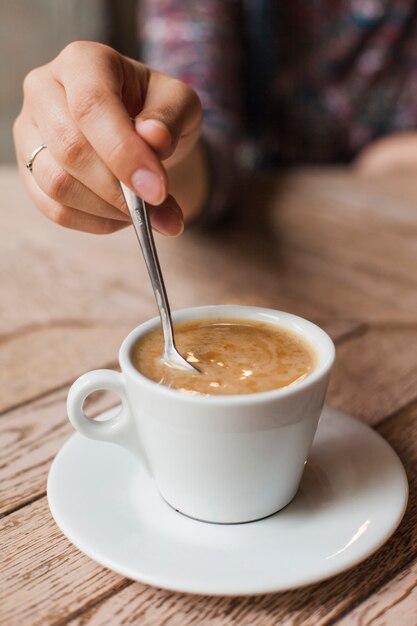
189	182
205	177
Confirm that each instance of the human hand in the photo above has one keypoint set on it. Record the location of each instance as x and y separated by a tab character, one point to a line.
81	106
395	153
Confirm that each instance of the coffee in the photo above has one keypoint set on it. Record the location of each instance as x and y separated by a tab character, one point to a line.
234	356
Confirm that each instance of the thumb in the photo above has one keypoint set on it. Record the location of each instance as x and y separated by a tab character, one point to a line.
156	134
170	118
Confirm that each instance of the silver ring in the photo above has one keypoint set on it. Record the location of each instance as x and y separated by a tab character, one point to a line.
33	156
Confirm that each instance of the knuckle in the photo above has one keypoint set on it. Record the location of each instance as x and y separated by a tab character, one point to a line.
74	50
31	81
85	103
78	49
60	215
58	185
117	152
74	147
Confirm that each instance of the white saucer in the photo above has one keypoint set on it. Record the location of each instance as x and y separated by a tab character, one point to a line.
352	497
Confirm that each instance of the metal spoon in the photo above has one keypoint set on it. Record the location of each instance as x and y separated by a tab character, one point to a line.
139	216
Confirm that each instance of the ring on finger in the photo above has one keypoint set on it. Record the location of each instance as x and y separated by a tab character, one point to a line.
29	164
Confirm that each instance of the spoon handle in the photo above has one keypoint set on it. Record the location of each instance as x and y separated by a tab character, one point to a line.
140	220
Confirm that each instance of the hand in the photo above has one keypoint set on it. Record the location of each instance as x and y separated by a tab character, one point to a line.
80	105
396	153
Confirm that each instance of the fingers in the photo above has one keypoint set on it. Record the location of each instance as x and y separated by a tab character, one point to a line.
167	218
104	96
67	216
60	186
81	106
170	117
95	103
24	133
68	146
62	194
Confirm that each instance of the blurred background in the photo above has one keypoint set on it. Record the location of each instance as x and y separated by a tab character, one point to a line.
32	33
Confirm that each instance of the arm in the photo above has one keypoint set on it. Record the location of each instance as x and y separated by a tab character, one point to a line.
198	43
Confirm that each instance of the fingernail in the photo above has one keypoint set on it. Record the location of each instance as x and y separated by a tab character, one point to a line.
167	221
148	186
151	123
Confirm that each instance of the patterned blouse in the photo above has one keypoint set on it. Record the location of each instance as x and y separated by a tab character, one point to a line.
284	81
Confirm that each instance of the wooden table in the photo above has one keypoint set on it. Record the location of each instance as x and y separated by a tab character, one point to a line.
337	249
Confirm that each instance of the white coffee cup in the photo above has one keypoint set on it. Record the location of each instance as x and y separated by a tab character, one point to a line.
225	459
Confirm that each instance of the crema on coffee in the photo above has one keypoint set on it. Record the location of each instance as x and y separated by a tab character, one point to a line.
234	356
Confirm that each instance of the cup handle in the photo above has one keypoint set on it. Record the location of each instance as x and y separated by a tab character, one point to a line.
119	429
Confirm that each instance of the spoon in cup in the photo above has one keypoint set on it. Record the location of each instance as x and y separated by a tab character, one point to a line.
140	220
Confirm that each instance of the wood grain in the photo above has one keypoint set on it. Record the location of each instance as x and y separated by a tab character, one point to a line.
30	435
354	241
54	355
71	298
375	373
36	534
324	244
316	605
393	605
43	578
37	359
29	439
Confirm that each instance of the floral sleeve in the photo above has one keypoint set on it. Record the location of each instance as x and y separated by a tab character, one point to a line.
197	41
